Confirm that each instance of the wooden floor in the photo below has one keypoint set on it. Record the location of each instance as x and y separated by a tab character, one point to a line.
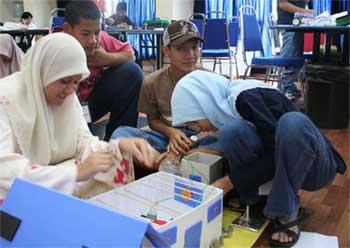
328	207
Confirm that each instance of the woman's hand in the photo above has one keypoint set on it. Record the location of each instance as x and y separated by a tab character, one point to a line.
141	151
96	162
179	143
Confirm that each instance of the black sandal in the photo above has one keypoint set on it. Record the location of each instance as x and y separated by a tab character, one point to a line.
284	228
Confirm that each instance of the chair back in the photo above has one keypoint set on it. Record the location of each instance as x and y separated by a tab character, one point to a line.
198	19
273	35
233	29
216	32
250	31
56	22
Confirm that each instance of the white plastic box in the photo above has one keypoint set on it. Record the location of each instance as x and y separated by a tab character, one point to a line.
189	213
202	167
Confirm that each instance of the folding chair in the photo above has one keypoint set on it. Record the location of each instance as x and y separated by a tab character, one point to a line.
233	28
216	40
251	42
56	22
198	19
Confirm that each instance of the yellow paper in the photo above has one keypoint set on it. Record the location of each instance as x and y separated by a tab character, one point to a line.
241	238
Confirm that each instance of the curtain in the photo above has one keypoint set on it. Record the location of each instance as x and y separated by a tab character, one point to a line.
320	6
219	5
139	11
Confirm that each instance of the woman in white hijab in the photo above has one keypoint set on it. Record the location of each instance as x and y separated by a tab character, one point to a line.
43	135
10	55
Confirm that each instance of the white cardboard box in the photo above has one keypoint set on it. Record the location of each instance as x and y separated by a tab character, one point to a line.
202	167
191	212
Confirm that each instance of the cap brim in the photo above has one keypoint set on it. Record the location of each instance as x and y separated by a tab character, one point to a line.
185	38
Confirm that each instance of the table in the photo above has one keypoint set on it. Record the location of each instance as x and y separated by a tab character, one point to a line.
25	36
329	31
148	38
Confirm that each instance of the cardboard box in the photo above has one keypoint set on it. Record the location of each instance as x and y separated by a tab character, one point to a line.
202	167
185	213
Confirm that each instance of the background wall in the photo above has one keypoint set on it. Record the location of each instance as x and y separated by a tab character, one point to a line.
41	11
6	13
39	8
174	9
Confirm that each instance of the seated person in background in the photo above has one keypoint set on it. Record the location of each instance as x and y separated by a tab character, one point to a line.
26	19
181	40
43	135
10	55
115	80
120	19
264	137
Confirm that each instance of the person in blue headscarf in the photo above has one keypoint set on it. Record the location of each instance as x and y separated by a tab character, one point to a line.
264	136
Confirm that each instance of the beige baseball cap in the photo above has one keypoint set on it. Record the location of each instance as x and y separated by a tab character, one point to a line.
179	32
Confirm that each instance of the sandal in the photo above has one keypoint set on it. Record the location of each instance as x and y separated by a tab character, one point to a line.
284	228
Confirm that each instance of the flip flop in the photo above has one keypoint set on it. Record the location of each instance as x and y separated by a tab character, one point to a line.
284	228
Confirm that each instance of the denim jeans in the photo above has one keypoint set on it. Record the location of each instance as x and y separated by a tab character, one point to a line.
160	141
117	92
301	159
292	46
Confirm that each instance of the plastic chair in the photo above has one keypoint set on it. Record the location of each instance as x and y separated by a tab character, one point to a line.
56	22
198	19
216	40
233	28
251	42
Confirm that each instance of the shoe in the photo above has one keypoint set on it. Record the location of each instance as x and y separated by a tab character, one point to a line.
279	227
292	94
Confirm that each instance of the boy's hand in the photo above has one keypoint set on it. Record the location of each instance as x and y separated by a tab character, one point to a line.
179	143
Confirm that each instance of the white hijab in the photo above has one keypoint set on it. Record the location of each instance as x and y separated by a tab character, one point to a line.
13	55
45	134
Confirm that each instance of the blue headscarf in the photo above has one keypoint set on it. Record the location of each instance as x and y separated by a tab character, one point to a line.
202	95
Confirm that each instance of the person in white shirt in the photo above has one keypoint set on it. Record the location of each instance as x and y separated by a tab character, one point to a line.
27	20
44	137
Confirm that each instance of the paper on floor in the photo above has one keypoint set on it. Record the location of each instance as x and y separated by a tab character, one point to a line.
316	240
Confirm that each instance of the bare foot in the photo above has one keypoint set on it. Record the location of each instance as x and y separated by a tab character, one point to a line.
223	183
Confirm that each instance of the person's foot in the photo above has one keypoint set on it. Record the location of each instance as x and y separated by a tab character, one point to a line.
283	237
286	233
223	183
292	94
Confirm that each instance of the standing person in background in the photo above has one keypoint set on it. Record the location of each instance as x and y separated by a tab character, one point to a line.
120	19
292	42
26	19
181	46
115	80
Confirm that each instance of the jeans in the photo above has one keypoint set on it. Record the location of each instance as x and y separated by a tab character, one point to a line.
160	141
292	46
301	159
117	92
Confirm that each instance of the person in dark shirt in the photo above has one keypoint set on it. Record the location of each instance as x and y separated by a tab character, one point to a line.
120	19
292	42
